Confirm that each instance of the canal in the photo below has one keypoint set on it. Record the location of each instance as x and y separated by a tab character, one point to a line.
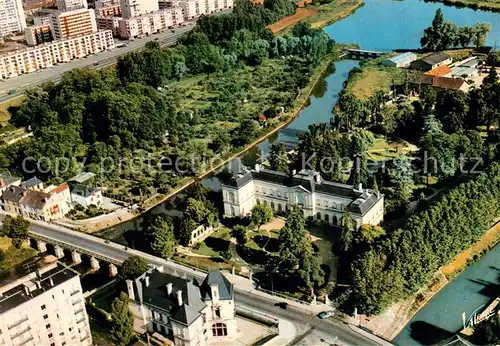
384	25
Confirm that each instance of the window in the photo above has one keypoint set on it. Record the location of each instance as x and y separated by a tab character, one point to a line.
53	344
45	317
47	326
318	216
219	329
217	312
63	343
61	333
70	329
43	307
327	218
272	206
50	335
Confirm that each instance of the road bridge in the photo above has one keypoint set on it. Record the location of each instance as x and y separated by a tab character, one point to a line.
364	54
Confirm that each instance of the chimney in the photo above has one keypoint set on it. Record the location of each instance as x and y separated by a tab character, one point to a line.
169	288
214	292
360	187
257	167
51	282
130	289
179	297
26	290
38	284
146	280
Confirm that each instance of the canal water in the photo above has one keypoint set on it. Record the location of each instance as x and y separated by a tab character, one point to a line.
384	25
442	316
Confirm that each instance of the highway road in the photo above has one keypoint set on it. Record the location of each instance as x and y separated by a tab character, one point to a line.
95	61
262	302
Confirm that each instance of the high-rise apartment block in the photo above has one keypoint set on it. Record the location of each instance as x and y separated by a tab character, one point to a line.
73	23
38	34
44	308
70	5
134	8
12	17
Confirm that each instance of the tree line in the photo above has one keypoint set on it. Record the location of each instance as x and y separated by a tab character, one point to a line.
443	34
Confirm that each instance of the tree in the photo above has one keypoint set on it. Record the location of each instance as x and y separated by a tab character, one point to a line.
296	262
440	35
161	232
480	31
16	228
401	175
180	70
240	233
278	158
451	109
487	332
122	320
246	132
261	214
132	267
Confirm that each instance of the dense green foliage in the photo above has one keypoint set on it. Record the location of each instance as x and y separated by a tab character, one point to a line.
160	234
487	332
16	228
121	321
132	268
296	262
402	262
444	34
261	213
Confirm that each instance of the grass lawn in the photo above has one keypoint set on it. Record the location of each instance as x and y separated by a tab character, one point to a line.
4	108
14	258
327	14
375	78
385	150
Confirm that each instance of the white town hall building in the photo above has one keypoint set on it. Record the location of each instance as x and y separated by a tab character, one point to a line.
317	198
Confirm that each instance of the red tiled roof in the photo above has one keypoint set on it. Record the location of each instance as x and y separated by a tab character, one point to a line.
448	83
442	70
60	188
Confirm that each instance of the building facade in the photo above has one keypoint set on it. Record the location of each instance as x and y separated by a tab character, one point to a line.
73	23
70	5
38	34
194	8
431	61
85	195
134	8
318	199
400	60
150	23
188	313
50	54
44	308
12	18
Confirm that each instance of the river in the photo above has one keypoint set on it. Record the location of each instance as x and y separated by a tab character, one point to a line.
387	25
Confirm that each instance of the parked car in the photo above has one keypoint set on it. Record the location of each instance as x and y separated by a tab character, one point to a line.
326	314
283	305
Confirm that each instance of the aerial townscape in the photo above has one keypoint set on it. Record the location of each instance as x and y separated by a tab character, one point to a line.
249	172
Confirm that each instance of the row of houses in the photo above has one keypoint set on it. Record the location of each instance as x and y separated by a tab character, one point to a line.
33	200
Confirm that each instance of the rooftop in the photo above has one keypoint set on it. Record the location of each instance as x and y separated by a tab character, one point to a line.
34	181
436	58
82	177
404	57
25	196
442	70
153	291
84	190
448	83
26	288
360	200
7	179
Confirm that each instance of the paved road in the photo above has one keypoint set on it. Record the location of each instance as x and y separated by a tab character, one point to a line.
261	302
95	61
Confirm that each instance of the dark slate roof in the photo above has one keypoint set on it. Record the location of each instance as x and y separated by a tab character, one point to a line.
436	58
34	181
361	201
215	277
83	190
21	195
8	179
17	295
13	194
156	295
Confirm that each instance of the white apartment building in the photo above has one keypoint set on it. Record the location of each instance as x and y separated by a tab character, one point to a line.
73	23
150	23
194	8
319	199
44	308
186	312
12	17
70	5
49	54
134	8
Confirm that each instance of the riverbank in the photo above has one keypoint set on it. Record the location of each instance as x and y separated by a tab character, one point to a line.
283	119
392	321
486	5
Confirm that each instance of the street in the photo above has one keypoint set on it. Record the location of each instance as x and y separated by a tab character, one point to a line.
244	297
15	85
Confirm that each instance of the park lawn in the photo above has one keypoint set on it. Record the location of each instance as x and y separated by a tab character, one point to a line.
373	78
383	149
4	108
327	14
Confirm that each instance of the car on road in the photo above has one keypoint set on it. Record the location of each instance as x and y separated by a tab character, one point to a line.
326	314
283	305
